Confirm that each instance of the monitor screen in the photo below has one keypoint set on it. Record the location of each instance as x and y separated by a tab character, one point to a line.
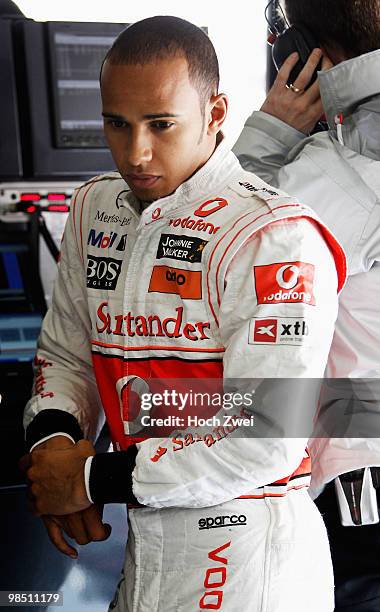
13	266
76	58
20	321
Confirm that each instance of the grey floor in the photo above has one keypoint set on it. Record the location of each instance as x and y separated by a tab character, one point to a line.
28	560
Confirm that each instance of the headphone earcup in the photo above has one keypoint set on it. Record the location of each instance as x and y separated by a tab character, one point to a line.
296	38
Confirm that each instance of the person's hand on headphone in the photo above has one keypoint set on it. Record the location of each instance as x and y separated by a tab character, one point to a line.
297	106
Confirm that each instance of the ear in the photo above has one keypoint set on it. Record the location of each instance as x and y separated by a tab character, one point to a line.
217	113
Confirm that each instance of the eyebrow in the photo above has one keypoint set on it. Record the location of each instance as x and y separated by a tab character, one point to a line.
150	116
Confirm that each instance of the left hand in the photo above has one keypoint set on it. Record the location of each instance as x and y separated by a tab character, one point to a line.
56	479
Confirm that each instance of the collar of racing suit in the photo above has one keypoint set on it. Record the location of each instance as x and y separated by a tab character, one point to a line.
349	83
214	174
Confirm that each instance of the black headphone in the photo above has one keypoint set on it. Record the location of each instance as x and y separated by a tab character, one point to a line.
285	39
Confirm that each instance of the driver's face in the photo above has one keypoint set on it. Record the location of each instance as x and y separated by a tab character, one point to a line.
154	125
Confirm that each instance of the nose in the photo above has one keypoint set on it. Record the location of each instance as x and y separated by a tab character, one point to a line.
139	148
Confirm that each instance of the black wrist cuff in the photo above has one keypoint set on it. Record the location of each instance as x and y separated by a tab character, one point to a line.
52	421
111	477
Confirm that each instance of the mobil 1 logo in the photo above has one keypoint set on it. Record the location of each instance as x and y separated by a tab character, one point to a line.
181	248
102	272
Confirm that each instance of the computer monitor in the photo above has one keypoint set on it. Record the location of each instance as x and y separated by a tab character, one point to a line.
58	89
75	59
22	303
10	141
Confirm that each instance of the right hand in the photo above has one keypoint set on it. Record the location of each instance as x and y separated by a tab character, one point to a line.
84	527
299	110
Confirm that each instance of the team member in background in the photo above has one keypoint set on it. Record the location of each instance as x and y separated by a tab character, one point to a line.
337	174
183	265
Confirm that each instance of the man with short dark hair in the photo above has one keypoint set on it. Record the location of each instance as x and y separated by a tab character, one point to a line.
337	174
183	266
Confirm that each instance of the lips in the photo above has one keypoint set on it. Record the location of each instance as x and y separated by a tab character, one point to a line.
141	181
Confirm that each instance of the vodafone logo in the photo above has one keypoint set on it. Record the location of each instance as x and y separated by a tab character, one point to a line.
155	214
210	207
286	282
291	272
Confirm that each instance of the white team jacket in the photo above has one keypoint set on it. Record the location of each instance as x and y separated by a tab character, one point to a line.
342	184
197	286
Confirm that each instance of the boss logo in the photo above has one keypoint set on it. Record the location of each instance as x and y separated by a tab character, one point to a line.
213	522
102	273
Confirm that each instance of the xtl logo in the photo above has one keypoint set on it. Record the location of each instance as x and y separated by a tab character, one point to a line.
104	240
102	273
292	331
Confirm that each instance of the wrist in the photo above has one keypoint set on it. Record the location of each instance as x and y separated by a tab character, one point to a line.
59	441
110	477
79	491
49	422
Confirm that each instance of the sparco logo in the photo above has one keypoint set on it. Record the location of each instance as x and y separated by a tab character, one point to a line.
250	187
152	326
182	248
103	240
194	224
214	522
286	330
102	273
104	218
285	282
215	580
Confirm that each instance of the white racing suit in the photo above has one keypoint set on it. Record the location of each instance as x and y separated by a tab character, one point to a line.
200	285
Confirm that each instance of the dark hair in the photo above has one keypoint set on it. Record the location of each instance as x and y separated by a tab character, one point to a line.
162	37
352	25
10	9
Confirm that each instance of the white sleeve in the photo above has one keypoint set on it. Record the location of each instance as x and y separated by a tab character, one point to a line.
285	253
64	376
264	145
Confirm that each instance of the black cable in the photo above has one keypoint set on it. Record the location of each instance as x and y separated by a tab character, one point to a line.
272	23
54	251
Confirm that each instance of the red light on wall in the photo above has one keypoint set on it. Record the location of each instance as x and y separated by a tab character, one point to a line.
30	197
56	197
31	209
58	208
